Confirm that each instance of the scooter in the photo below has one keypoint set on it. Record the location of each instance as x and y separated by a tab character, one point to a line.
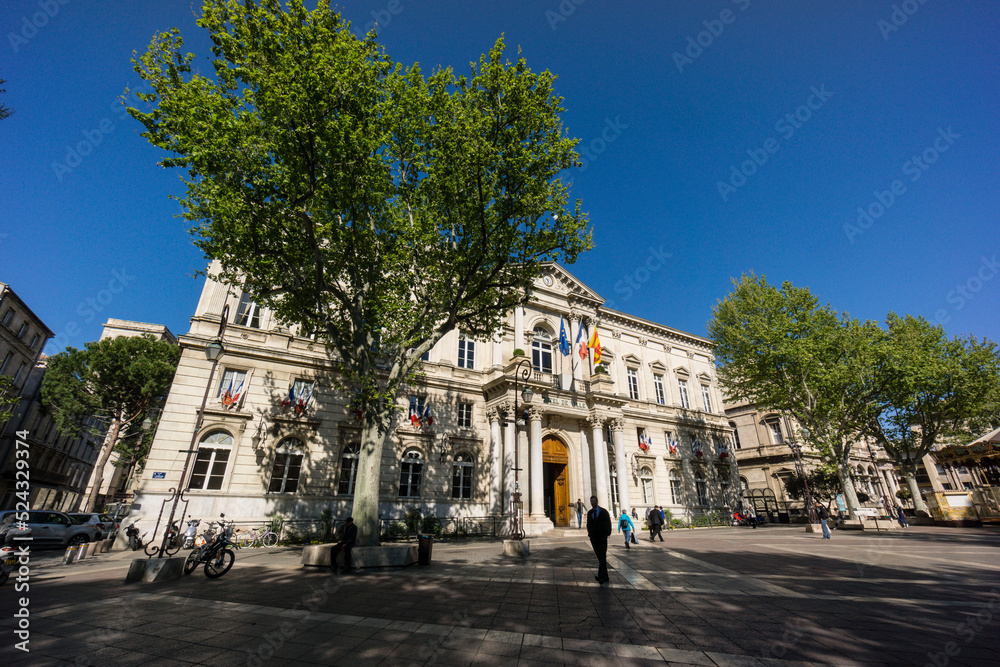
10	552
134	541
191	533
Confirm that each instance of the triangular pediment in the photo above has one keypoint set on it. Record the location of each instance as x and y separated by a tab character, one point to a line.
565	282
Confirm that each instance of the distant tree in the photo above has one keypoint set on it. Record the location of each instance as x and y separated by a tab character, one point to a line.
116	380
8	397
781	350
928	388
824	484
5	111
360	200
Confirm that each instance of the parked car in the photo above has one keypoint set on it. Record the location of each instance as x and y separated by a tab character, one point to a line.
51	528
105	523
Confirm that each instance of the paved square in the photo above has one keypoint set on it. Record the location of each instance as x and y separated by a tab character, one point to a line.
727	596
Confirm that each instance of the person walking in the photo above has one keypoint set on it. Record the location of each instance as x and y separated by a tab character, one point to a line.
901	516
823	516
580	509
626	526
655	524
599	530
350	537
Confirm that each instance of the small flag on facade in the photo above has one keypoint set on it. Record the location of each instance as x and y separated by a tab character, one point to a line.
581	342
290	398
563	338
235	398
595	344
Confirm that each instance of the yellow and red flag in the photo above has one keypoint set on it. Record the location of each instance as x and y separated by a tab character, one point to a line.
595	344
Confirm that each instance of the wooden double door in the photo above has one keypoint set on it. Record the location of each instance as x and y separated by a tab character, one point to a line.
555	473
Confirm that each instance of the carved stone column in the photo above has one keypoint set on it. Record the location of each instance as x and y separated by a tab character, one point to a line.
535	465
496	462
617	433
585	459
600	462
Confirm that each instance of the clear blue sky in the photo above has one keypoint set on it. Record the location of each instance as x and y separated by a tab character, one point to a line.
669	98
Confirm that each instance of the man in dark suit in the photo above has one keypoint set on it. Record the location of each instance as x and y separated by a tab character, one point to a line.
598	530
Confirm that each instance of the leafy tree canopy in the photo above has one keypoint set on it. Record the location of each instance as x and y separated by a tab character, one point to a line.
927	388
781	350
116	380
369	203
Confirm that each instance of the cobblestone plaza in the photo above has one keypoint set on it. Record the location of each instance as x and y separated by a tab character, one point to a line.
727	596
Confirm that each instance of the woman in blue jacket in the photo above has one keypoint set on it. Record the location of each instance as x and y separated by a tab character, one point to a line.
626	526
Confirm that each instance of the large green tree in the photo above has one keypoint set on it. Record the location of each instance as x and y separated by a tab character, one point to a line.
105	388
781	350
927	388
366	202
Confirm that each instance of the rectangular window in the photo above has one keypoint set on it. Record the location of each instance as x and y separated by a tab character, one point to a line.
6	362
776	436
8	316
20	369
231	387
466	353
23	330
248	312
34	341
285	477
465	415
658	387
633	383
461	480
682	387
209	469
706	398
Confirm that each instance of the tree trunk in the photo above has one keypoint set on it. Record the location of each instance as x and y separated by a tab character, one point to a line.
918	500
847	485
366	487
102	460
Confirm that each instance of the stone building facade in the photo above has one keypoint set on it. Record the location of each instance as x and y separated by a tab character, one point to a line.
763	446
278	438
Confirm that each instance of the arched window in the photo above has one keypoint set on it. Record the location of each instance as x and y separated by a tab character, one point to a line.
541	351
410	469
744	483
736	435
646	477
348	469
287	466
675	487
701	488
210	466
461	476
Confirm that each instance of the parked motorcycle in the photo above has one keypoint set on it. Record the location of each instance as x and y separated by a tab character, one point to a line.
191	533
217	554
135	542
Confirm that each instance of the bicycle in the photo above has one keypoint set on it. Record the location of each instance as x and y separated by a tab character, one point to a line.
253	538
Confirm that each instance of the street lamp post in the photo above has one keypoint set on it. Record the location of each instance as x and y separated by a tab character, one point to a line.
516	506
796	448
213	352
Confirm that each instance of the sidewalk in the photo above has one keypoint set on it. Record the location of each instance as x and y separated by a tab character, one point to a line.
729	596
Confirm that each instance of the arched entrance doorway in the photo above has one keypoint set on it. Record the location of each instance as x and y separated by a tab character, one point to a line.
555	465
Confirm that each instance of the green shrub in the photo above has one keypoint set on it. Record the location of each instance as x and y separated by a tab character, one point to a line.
431	525
326	525
413	518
